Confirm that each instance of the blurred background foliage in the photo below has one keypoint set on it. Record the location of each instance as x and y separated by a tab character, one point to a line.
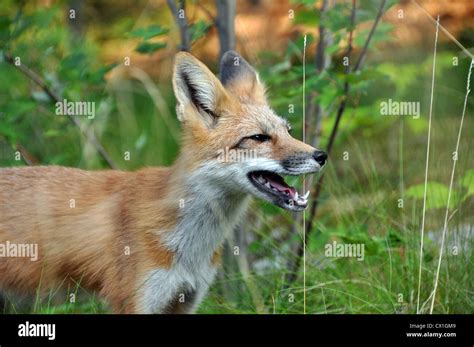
118	54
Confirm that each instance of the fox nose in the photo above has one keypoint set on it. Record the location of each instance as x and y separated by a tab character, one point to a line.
320	157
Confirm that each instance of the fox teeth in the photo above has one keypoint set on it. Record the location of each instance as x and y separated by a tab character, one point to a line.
267	185
306	195
296	196
261	179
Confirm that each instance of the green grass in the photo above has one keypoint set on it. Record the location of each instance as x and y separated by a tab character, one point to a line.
359	204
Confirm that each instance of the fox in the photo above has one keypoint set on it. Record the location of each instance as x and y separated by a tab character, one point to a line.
150	241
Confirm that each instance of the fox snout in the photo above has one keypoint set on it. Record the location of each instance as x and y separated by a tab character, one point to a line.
320	157
304	162
301	158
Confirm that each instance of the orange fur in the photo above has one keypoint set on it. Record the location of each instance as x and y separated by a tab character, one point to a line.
105	230
85	243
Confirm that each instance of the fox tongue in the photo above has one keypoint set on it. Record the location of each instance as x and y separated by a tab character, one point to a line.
282	187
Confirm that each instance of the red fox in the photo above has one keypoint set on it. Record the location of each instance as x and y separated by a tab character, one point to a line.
149	241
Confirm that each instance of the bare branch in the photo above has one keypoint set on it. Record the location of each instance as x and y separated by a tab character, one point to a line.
90	136
179	15
322	62
28	158
363	53
225	25
32	76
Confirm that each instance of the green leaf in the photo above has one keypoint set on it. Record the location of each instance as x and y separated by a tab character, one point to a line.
468	182
295	48
150	47
52	133
307	17
327	97
382	33
417	126
395	238
199	29
98	76
436	196
337	18
4	29
366	75
269	208
149	32
43	17
73	61
281	67
19	107
255	247
141	141
309	3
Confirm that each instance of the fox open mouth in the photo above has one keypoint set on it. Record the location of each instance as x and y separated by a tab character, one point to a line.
278	191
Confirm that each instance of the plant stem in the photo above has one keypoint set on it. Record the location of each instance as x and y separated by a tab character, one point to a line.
292	272
90	136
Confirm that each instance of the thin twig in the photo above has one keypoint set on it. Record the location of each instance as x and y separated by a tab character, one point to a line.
342	106
363	53
322	62
90	136
27	157
32	76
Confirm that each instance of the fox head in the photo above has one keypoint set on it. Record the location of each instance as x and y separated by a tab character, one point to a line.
232	138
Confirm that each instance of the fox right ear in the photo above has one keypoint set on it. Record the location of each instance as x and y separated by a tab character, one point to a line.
195	85
240	78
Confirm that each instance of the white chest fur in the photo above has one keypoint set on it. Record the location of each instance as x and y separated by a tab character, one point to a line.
207	218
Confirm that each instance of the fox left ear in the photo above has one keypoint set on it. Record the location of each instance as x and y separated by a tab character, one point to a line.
194	84
240	78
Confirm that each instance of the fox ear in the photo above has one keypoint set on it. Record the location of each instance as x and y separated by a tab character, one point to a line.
195	85
240	78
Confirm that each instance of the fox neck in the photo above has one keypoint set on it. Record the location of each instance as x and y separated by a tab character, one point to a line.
208	213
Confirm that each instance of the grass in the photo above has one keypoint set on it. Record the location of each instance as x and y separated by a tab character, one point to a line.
367	212
360	204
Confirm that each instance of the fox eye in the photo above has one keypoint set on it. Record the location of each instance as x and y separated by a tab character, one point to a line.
260	137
